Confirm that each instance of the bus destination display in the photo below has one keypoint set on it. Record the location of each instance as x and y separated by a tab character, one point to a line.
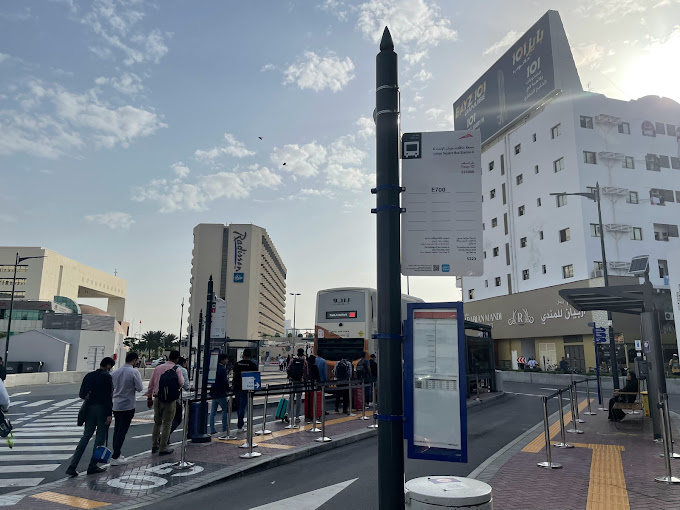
341	315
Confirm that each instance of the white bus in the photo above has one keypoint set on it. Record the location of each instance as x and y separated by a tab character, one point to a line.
346	320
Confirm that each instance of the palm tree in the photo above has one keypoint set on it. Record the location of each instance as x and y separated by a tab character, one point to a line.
154	341
170	341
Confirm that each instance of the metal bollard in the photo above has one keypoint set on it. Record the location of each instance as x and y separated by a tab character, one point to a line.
578	418
363	407
548	464
263	431
667	421
323	438
669	478
182	464
314	420
589	411
374	425
230	404
291	408
574	405
249	442
563	443
350	398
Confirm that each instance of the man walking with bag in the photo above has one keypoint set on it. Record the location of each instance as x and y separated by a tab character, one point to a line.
244	365
218	392
126	383
298	373
162	395
97	391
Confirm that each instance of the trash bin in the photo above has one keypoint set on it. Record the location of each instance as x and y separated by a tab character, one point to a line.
645	402
438	492
499	380
194	413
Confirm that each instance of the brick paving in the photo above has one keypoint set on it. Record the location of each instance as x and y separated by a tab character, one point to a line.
609	468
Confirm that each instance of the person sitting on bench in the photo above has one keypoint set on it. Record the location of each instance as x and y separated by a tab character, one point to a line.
630	387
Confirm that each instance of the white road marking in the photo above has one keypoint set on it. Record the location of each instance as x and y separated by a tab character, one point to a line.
11	499
550	389
143	435
40	433
20	482
309	500
45	448
47	427
17	403
29	468
29	458
38	403
39	440
19	394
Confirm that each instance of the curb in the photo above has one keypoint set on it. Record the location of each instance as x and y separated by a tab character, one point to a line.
487	400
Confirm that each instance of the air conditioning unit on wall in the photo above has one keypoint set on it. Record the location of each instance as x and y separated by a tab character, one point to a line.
669	316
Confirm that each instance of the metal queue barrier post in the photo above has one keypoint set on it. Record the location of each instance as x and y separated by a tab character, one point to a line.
249	442
589	411
363	407
374	425
578	418
667	421
563	438
182	464
263	431
230	404
350	399
574	429
548	464
314	420
323	438
669	478
291	407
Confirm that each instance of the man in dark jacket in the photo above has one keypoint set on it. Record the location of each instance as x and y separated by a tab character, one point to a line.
3	370
632	387
99	386
218	392
245	364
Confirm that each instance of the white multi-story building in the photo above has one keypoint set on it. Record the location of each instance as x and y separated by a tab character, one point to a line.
247	273
567	141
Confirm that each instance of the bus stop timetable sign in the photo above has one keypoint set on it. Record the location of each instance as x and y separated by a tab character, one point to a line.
434	380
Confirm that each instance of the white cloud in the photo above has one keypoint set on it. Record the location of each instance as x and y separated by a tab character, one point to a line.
414	58
7	218
177	195
267	67
611	10
116	22
503	43
128	83
434	113
422	75
345	163
337	8
180	170
300	160
366	127
55	122
233	148
588	54
3	57
315	72
114	220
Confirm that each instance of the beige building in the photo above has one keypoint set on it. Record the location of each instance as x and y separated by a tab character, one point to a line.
248	274
42	279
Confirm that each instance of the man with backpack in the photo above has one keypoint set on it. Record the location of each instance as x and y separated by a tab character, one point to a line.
342	373
298	373
164	390
364	374
218	393
245	364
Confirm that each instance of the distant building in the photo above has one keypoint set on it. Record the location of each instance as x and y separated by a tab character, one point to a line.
247	273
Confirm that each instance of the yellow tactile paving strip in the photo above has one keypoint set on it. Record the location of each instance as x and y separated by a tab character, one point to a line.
607	487
539	442
73	501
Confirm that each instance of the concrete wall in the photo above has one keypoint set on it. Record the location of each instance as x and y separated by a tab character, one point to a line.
57	378
39	346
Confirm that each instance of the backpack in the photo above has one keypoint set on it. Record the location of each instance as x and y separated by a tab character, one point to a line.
296	369
341	371
363	369
168	385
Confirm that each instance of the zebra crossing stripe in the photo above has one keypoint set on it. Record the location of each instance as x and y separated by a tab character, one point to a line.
30	458
14	403
38	403
44	448
28	468
40	440
41	433
48	427
20	482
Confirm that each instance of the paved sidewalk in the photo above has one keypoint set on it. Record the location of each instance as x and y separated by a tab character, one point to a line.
609	468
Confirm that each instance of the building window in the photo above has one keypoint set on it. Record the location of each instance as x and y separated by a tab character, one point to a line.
502	165
497	281
540	235
10	269
663	268
520	210
486	283
8	281
565	235
648	129
670	129
594	230
533	137
525	274
568	271
660	128
518	148
492	194
491	165
628	162
589	157
485	254
505	223
636	234
544	269
495	251
662	231
624	128
523	242
675	162
471	294
598	265
536	169
632	197
586	122
556	131
520	179
503	192
653	163
494	222
561	200
558	165
18	294
664	162
538	202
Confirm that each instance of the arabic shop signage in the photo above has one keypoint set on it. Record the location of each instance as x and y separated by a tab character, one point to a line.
523	316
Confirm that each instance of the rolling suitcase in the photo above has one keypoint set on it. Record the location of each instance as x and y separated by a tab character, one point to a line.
357	398
282	408
309	402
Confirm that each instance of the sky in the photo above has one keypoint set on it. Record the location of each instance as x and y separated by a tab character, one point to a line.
124	123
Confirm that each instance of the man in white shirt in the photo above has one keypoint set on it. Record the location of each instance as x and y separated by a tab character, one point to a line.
4	397
126	383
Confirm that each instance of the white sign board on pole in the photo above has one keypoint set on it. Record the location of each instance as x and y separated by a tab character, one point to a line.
441	229
218	327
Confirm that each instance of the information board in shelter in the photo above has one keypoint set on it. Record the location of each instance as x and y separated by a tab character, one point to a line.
441	228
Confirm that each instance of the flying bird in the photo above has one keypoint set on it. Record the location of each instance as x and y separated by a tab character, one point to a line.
260	137
284	164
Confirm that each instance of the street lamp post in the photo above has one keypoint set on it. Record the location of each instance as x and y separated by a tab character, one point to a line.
17	260
295	295
612	346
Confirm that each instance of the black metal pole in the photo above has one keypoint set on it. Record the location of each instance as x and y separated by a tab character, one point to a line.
191	342
198	353
203	436
612	344
11	307
390	406
181	319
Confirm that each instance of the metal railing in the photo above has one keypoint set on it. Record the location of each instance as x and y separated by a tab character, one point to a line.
667	441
